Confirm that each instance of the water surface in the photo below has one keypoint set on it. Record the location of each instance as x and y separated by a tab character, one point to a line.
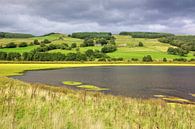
132	81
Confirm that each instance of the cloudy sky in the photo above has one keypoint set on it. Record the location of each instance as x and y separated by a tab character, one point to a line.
66	16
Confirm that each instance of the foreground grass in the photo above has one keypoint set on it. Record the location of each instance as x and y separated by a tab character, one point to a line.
35	106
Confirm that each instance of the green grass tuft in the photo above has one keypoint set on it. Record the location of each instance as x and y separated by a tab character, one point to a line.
71	83
92	87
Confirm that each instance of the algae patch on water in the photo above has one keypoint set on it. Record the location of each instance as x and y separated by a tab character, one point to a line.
193	95
173	99
72	83
86	87
92	87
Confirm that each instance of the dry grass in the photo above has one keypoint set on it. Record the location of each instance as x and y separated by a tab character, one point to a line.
32	106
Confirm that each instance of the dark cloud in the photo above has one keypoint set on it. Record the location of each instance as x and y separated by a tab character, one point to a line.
43	16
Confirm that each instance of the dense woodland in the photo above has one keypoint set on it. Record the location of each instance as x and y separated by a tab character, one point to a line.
146	34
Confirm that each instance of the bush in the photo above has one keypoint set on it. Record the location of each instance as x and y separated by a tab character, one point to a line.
177	51
3	55
36	42
89	53
102	59
192	59
73	45
102	41
46	41
135	59
147	58
88	42
13	56
116	59
23	44
164	59
140	44
180	59
109	48
11	45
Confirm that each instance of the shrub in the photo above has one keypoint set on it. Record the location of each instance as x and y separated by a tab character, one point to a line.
102	41
177	51
88	42
140	44
36	42
11	45
147	58
23	44
180	59
102	59
73	45
164	59
135	59
3	55
109	48
90	53
46	41
13	56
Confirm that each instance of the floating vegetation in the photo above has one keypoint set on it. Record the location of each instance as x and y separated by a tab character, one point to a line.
72	83
174	99
92	87
192	95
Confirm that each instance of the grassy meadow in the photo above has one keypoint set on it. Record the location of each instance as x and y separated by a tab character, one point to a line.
36	106
127	47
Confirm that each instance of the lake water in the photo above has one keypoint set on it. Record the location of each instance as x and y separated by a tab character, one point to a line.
132	81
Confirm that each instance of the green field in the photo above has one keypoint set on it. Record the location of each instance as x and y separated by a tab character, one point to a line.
127	47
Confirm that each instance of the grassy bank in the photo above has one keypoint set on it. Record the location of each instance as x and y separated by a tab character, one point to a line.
33	106
7	69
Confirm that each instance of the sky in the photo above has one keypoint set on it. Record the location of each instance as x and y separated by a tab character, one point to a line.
66	16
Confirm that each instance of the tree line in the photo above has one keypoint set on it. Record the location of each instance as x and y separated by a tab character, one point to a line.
84	35
25	44
15	35
146	34
183	42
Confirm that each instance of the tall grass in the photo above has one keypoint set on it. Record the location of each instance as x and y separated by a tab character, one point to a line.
36	106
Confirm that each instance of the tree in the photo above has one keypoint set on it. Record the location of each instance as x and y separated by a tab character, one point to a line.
23	44
11	45
140	44
147	58
109	48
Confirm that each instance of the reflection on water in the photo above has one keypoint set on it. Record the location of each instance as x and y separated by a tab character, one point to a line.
133	81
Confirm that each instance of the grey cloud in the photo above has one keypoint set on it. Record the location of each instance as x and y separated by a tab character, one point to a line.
43	16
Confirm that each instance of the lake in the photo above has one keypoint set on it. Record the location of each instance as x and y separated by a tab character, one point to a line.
131	81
